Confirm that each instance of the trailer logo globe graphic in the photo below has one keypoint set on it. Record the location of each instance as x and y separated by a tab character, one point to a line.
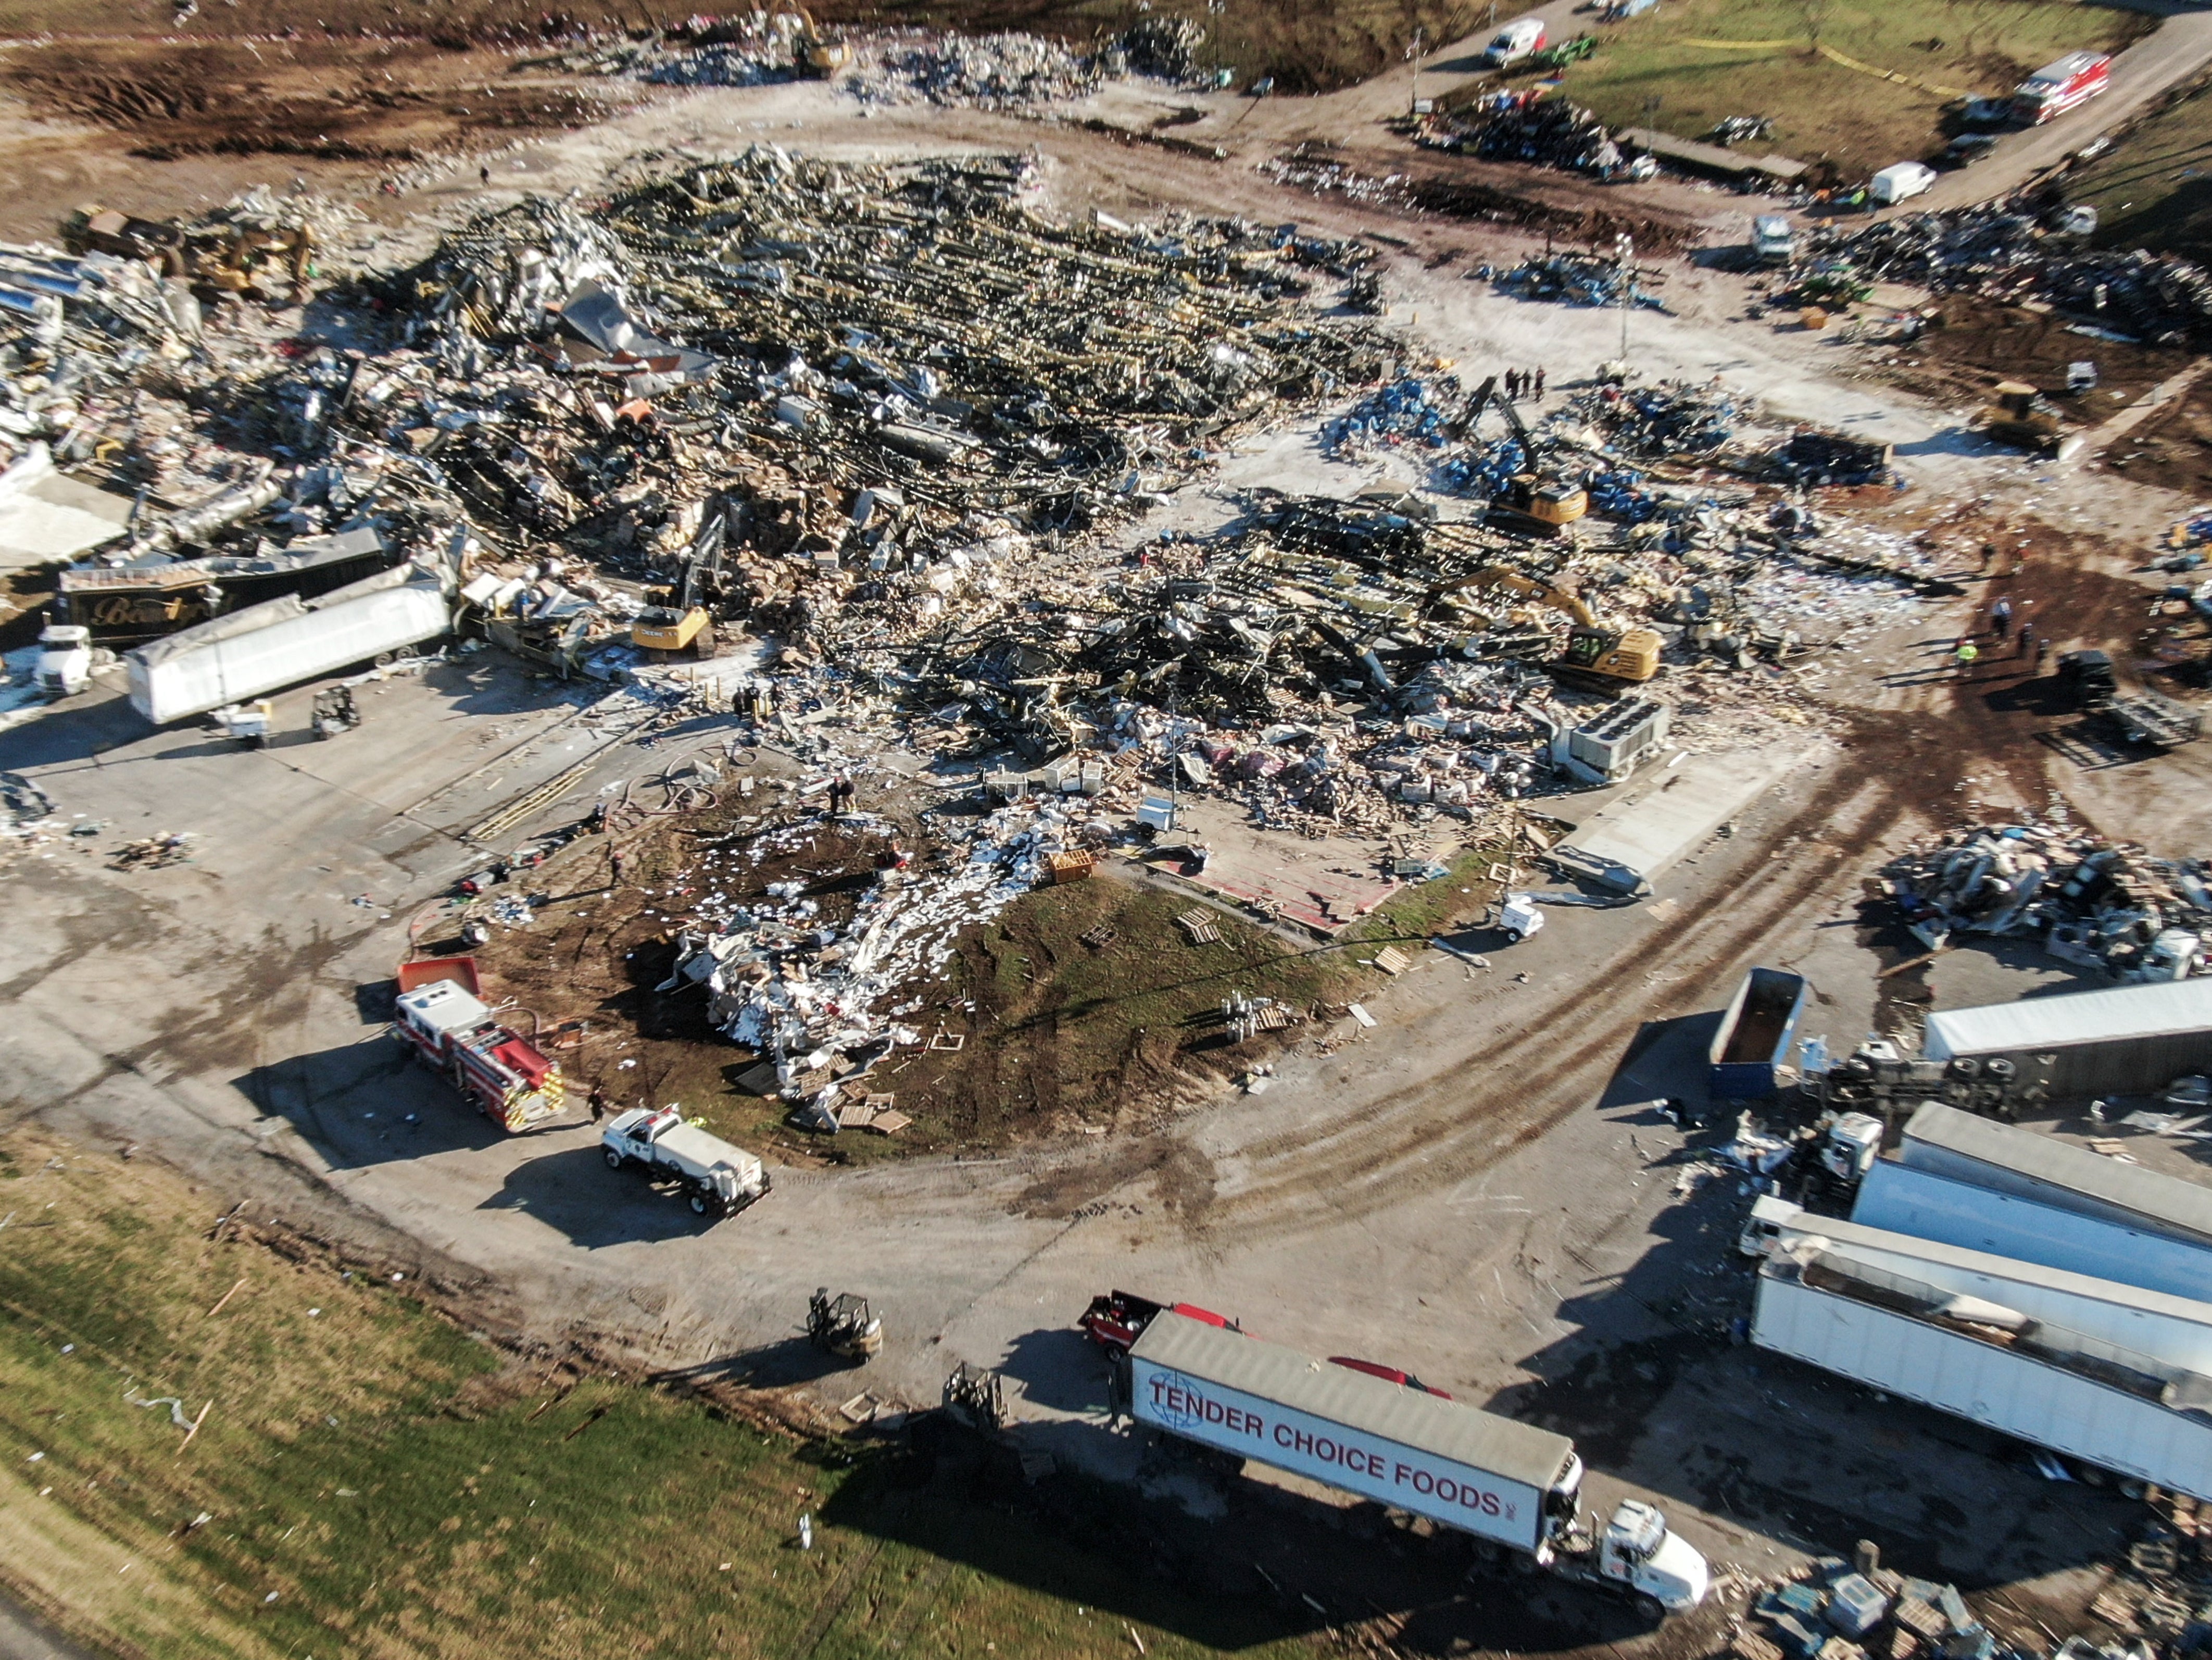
1178	1403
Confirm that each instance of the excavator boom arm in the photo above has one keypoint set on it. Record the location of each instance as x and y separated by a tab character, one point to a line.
1504	576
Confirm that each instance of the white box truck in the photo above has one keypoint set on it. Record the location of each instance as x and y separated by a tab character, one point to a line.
1509	1484
228	660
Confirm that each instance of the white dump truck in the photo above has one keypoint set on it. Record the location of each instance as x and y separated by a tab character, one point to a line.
718	1179
1512	1487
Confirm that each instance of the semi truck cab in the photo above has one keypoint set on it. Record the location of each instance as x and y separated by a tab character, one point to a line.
1641	1552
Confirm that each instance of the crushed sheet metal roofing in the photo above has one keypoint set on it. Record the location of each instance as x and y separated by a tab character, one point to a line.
2075	1017
2148	1192
1480	1440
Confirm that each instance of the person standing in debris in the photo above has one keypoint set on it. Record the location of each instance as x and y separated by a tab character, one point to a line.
615	867
2027	637
598	1104
2043	652
1539	384
1988	557
1512	383
484	174
2000	617
1965	656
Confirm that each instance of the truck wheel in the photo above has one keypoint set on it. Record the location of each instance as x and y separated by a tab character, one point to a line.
1650	1607
1512	936
698	1199
614	1160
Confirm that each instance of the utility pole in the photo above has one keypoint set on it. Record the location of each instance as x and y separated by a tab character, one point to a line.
1626	250
1413	99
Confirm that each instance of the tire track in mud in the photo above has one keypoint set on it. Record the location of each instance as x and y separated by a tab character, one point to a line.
1446	1127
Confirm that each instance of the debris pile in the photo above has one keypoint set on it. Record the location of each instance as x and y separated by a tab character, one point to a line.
1576	279
2093	902
2007	254
1167	47
1669	418
1409	411
990	71
1526	126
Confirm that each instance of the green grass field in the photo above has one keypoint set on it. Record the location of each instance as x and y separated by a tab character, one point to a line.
369	1481
1653	68
2154	190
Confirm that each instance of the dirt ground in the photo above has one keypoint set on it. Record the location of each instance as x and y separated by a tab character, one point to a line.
1079	1010
358	100
1971	343
1479	1188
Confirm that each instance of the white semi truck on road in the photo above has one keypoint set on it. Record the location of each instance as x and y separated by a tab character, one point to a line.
1509	1484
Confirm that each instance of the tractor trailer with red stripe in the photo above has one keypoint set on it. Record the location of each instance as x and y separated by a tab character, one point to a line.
1508	1484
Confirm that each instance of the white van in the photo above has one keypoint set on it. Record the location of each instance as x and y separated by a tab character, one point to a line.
1894	185
1514	42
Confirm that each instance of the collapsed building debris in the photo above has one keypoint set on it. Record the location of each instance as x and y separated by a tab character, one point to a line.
2089	901
1526	126
2010	253
1577	279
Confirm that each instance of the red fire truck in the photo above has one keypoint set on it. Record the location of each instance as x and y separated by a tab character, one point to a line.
2057	87
448	1028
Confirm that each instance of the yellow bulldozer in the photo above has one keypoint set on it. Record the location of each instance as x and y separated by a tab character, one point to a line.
1630	654
673	619
1531	501
2022	416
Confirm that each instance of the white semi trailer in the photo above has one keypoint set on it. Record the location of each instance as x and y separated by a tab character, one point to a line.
2109	1374
281	642
1906	1198
1509	1484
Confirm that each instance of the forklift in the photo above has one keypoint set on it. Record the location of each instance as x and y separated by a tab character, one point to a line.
842	1325
335	710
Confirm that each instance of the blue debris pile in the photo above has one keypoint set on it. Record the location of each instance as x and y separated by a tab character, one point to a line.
1408	411
1481	470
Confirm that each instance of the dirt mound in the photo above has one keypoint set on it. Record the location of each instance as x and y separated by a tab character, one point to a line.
339	101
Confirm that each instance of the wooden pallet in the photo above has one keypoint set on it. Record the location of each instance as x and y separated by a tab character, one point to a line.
1197	928
1099	938
1392	961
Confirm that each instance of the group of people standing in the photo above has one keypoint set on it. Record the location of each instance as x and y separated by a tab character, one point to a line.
2005	626
1524	383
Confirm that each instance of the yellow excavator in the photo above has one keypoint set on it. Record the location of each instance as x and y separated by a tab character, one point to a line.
1622	654
1530	502
812	52
674	620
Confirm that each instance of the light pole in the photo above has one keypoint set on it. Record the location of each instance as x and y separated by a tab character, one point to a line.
1413	99
1626	250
